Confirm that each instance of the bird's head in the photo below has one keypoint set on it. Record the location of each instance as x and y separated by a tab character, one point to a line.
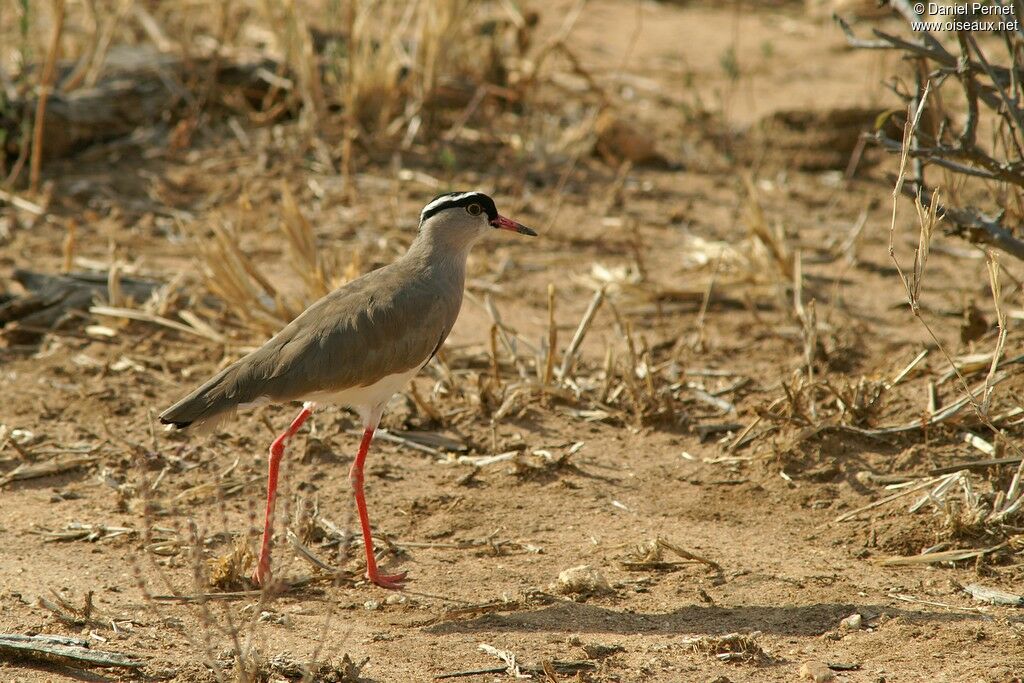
463	217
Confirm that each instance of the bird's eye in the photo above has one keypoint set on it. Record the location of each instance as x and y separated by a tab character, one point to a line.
474	210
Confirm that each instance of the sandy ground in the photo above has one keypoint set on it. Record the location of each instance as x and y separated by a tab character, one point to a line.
485	551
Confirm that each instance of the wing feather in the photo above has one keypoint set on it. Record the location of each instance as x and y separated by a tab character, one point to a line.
385	322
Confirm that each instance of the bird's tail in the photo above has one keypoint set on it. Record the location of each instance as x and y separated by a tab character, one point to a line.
209	405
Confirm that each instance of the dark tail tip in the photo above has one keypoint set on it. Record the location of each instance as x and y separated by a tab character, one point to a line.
176	423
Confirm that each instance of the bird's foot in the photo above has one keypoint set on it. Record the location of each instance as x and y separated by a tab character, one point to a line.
261	576
395	582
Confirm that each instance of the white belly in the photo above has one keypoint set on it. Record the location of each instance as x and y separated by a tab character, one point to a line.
368	397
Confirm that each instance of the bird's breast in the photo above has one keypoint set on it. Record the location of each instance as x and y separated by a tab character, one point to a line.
371	395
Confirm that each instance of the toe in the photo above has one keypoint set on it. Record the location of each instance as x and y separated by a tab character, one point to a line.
261	575
391	582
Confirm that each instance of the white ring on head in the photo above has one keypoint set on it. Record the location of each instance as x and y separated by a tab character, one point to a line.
448	198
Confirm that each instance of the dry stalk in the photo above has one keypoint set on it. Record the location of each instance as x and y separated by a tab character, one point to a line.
772	239
98	53
637	391
495	363
424	404
552	348
700	339
232	275
569	357
68	249
350	131
202	330
205	645
293	35
912	284
508	340
608	370
74	79
949	143
808	318
45	85
306	258
629	374
993	275
558	40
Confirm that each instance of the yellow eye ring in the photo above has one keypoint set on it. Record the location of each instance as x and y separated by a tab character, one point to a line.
474	210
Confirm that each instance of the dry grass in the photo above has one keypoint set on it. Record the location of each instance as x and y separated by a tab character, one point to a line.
733	647
238	280
230	612
231	571
383	77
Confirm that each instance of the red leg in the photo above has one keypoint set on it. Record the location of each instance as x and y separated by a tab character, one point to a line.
355	475
262	573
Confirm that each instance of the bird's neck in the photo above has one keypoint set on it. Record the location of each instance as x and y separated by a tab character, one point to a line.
439	258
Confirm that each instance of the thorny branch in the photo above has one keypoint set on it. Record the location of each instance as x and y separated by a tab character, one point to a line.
993	103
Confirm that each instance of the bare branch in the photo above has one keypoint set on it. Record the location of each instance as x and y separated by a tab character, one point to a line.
951	142
976	227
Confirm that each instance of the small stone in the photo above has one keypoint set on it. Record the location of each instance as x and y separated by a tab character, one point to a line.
854	622
581	580
601	650
371	605
395	599
817	672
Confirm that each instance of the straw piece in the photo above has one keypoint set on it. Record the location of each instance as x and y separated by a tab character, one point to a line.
143	316
581	332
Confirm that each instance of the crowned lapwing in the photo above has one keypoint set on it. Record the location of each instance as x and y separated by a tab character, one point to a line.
356	347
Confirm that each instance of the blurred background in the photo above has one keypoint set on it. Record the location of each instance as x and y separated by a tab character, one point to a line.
758	375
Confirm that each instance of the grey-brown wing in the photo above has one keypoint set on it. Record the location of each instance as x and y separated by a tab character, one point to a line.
361	337
380	324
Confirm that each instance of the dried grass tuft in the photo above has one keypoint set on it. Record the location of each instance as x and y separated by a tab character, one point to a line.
233	275
733	647
306	259
230	572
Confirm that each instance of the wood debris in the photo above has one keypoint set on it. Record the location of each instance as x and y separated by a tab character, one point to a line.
77	531
649	555
993	596
518	669
942	556
63	650
56	465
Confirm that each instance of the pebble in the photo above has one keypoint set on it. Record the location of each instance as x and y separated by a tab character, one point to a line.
852	622
268	617
582	580
817	672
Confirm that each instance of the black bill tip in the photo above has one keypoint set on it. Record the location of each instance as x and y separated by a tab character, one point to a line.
503	223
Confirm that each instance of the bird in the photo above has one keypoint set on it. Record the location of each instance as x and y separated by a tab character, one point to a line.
356	347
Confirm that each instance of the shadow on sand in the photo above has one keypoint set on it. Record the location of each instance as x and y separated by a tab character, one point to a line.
572	617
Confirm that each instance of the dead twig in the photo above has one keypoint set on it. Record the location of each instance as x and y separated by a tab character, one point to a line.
45	85
57	465
64	650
